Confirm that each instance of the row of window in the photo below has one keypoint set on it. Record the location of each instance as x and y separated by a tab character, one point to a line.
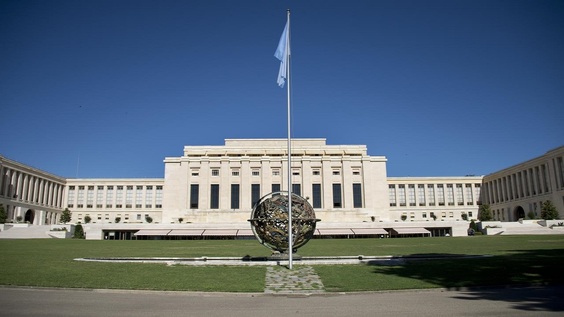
106	218
111	196
443	214
235	191
275	172
433	194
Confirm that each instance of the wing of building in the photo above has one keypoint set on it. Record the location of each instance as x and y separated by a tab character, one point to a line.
215	188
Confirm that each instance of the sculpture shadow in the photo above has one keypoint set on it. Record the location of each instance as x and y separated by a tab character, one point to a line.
498	278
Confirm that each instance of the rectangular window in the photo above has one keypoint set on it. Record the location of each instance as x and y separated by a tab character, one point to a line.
316	191
401	194
316	172
214	196
450	194
477	194
149	197
159	197
234	196
441	194
235	172
459	195
275	172
421	194
336	172
275	188
194	195
392	195
215	172
431	194
255	194
297	189
411	190
255	172
337	203
469	199
357	195
119	195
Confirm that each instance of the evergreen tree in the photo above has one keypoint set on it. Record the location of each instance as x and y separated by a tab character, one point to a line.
548	211
78	232
66	216
485	213
3	215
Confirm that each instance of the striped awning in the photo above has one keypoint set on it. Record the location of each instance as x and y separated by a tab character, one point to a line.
186	232
220	232
359	231
335	232
412	231
152	232
245	232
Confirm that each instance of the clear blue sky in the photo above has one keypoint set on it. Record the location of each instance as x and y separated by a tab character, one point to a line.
441	88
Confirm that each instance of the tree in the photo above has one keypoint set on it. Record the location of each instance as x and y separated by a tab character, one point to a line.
485	213
548	211
148	219
3	215
78	232
464	216
66	216
87	219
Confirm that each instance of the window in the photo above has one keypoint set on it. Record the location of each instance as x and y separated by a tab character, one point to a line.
149	197
316	172
441	194
469	200
119	196
194	192
195	172
450	195
356	172
336	172
421	194
401	194
275	188
431	194
392	195
411	190
296	173
337	203
255	172
235	172
159	197
297	189
255	193
357	195
459	195
316	191
275	172
215	172
214	196
234	196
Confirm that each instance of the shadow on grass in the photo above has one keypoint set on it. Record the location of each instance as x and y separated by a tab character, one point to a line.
517	268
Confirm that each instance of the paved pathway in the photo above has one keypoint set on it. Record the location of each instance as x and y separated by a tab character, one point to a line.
301	279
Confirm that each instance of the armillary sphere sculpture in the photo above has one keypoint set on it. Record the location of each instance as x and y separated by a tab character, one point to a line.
269	221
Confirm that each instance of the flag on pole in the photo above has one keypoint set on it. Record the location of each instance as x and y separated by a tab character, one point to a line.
282	53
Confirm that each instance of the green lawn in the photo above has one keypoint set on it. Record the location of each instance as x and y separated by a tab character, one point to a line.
516	260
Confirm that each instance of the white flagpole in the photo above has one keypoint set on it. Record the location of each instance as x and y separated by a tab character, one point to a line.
290	235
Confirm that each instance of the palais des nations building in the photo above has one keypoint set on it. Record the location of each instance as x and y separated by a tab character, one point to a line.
210	191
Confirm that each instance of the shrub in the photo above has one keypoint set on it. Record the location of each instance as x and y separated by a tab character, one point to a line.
78	232
464	216
148	219
531	215
87	219
117	220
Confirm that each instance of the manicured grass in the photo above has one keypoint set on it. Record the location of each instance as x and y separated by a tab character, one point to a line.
516	260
